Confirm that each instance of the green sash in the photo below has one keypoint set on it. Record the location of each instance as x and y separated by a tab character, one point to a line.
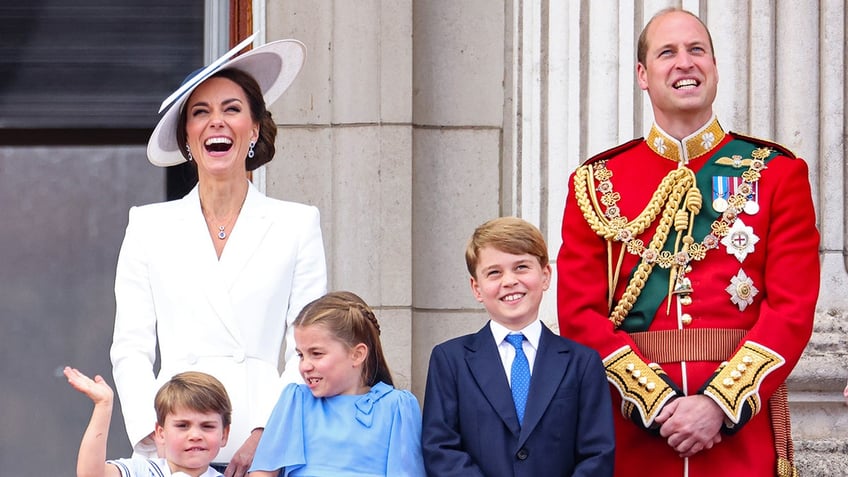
656	287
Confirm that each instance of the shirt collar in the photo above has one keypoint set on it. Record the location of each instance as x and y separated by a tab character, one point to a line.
532	332
163	467
695	145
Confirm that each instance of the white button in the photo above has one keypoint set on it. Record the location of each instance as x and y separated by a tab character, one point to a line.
191	358
238	356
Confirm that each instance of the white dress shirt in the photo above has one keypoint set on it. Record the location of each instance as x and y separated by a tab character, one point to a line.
531	332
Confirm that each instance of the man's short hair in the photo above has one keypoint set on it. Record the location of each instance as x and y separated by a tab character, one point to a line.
642	45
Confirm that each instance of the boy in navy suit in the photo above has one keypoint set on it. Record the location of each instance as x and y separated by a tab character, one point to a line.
514	399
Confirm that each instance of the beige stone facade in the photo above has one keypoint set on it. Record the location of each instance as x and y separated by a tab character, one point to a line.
415	121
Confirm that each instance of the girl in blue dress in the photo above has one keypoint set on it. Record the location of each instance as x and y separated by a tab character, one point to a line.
347	419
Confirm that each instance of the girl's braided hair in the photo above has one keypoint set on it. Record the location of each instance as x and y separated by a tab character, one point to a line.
351	321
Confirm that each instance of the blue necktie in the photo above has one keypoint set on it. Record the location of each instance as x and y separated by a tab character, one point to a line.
520	376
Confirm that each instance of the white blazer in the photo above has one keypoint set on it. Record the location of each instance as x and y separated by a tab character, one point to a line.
226	317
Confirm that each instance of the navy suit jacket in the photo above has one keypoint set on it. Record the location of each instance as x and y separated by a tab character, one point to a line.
470	427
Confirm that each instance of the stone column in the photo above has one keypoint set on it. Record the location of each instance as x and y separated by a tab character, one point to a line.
345	145
458	101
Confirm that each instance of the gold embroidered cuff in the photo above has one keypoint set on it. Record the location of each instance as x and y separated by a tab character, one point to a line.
737	382
640	384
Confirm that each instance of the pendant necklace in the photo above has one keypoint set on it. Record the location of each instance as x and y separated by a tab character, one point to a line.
222	229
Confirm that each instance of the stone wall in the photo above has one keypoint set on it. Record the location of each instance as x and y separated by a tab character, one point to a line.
416	120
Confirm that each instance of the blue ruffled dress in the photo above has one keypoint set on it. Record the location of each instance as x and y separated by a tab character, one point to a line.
369	435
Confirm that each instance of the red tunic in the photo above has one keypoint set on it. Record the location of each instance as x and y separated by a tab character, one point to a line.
774	327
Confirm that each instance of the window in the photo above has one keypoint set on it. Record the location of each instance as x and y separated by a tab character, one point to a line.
94	64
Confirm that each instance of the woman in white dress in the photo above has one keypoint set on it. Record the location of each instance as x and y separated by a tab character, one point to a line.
215	279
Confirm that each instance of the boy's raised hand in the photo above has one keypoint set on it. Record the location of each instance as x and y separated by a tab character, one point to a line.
96	389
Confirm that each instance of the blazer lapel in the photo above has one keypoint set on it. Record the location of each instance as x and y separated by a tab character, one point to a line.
487	369
191	231
248	232
549	369
213	279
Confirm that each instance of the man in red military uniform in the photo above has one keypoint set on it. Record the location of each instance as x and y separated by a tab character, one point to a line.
690	262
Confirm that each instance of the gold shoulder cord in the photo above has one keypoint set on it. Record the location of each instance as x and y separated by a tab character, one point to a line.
675	186
679	185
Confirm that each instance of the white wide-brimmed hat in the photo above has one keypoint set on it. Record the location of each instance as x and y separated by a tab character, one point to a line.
273	65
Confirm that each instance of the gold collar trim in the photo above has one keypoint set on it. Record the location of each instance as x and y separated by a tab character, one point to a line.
695	145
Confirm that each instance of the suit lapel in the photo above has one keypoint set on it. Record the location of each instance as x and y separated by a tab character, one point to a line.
487	369
549	369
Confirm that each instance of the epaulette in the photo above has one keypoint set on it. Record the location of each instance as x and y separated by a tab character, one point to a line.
614	151
783	150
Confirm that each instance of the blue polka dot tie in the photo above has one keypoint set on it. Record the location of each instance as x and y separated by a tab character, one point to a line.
520	376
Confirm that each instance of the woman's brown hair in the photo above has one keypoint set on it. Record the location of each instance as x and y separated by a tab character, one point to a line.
265	148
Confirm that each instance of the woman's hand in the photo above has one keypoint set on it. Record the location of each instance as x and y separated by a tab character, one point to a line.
243	457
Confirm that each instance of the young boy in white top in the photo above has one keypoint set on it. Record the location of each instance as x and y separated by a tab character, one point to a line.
193	415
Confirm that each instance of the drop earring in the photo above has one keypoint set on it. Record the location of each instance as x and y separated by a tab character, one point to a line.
250	152
188	151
